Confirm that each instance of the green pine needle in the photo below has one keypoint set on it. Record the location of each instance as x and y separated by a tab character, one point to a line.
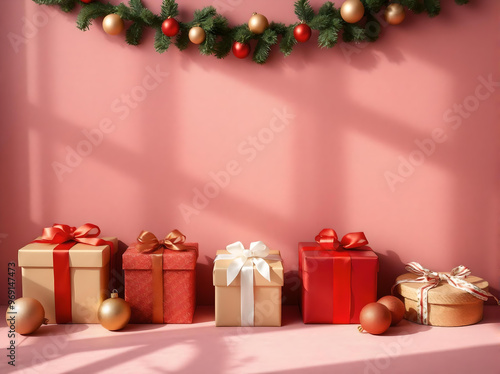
134	34
304	11
92	11
288	40
162	42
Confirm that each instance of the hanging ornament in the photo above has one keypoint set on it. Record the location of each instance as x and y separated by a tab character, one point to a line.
302	33
197	35
86	1
241	50
114	313
375	318
352	11
170	27
26	314
112	24
395	306
394	14
258	23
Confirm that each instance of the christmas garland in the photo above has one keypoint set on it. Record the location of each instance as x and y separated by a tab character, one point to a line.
355	21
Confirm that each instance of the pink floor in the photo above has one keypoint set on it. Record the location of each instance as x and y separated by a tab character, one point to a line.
293	348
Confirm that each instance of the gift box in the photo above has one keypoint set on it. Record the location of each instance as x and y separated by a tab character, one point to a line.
68	276
338	277
160	279
248	286
442	299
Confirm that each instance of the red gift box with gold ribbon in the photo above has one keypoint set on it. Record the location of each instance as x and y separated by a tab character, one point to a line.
339	277
160	278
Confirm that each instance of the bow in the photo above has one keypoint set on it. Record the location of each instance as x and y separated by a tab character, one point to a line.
456	279
59	233
329	240
147	242
243	261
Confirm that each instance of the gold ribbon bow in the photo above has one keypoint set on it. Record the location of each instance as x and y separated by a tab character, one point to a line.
148	243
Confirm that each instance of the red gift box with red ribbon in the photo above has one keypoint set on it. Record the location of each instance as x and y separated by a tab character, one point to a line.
160	278
339	277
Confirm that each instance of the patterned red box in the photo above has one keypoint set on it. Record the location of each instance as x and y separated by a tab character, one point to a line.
178	285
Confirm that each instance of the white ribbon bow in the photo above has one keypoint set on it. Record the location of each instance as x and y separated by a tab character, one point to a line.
243	261
456	278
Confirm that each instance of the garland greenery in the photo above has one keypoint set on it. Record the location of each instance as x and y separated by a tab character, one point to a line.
220	36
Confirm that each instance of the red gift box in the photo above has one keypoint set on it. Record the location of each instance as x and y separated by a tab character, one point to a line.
177	283
338	277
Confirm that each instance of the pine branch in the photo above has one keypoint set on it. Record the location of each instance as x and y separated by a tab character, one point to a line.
413	5
162	42
204	14
261	53
134	34
169	8
91	11
65	5
242	33
223	46
353	33
374	5
328	37
288	40
182	40
433	7
304	11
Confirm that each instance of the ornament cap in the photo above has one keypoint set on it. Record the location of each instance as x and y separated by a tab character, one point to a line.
114	294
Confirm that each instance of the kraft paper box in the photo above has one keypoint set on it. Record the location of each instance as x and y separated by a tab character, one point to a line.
267	295
89	272
336	285
179	288
447	305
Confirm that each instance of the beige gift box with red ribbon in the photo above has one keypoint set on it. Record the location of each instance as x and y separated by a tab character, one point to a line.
88	276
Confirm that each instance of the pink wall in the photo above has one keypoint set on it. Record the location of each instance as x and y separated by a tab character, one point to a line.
354	120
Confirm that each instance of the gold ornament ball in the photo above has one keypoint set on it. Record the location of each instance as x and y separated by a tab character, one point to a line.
112	24
26	315
352	11
197	35
394	14
258	23
114	313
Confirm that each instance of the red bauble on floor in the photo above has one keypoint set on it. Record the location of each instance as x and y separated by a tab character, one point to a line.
241	50
170	27
302	33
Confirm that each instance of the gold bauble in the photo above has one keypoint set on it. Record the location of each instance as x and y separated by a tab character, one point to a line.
114	313
26	315
352	11
197	35
258	23
394	14
112	24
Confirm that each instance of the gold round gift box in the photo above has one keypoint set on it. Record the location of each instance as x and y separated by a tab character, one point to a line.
447	305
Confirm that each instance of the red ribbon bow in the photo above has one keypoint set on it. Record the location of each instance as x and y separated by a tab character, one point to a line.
65	237
329	240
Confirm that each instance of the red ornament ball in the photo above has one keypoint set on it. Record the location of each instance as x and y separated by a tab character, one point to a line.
395	306
241	50
170	27
86	1
375	318
302	33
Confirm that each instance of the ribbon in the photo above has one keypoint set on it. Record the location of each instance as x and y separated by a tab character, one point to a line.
148	243
456	278
329	240
243	261
66	237
342	268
